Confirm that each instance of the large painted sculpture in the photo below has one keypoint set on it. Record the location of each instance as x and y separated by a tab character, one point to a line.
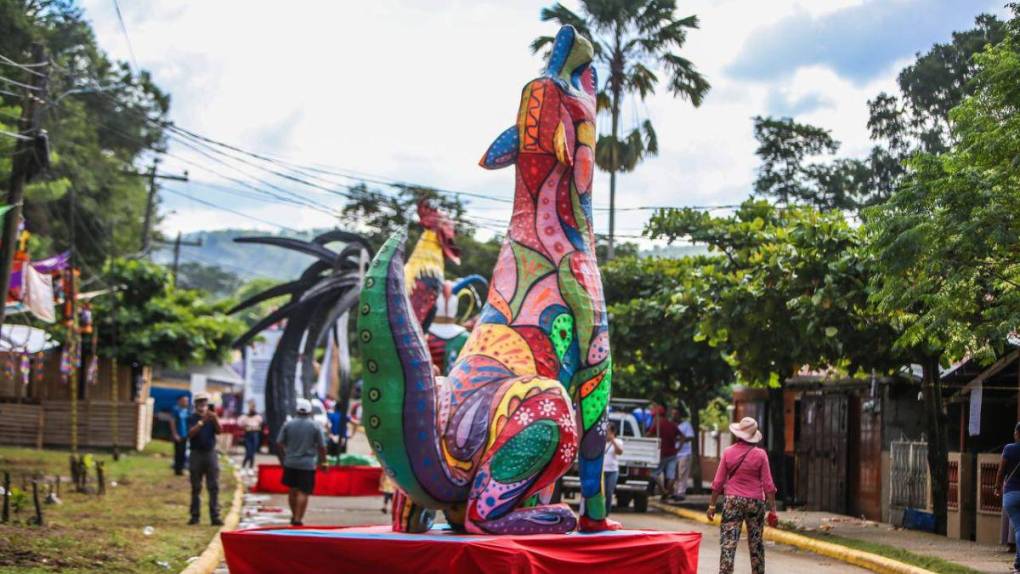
527	394
319	303
450	327
424	271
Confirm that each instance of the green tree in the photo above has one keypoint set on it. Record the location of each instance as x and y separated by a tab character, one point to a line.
649	297
101	117
785	146
917	119
788	291
383	214
146	321
634	41
945	244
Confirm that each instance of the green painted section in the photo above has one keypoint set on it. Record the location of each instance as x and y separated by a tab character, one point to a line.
527	453
531	266
580	303
383	407
594	405
562	334
595	507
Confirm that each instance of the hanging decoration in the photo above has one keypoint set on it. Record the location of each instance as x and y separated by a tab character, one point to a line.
25	368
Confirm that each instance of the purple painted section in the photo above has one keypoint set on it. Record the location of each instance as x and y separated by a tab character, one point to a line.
421	432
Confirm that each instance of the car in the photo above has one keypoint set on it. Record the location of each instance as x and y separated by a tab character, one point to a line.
637	464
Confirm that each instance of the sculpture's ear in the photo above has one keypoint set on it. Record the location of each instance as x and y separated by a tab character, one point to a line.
503	151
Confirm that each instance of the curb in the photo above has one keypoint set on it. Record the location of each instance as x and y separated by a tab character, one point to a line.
872	562
212	556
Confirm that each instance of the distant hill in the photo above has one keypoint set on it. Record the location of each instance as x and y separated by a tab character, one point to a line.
245	260
675	251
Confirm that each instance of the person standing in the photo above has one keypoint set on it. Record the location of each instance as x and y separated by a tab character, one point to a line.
744	477
179	432
302	448
204	464
251	423
1007	485
666	430
611	465
337	430
685	434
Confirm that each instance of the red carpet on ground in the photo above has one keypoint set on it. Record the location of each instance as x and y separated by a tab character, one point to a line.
334	481
378	550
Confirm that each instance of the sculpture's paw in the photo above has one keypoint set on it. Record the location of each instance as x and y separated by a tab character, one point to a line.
588	525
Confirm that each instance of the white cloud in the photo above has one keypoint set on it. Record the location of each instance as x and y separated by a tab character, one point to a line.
416	91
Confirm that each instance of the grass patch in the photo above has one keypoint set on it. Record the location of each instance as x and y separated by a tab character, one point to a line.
927	562
91	533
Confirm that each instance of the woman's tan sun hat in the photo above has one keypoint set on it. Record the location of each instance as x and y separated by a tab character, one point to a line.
746	430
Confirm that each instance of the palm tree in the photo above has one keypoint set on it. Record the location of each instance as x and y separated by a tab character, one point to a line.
632	39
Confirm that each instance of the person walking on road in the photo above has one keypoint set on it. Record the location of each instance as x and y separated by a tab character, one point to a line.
179	432
302	448
1007	485
611	465
744	477
685	435
664	428
251	423
204	464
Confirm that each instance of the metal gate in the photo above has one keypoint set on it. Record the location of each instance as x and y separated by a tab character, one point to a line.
822	452
908	474
866	493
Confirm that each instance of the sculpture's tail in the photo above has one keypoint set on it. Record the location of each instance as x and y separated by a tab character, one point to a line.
399	399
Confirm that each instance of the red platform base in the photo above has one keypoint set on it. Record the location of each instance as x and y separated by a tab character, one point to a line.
378	550
334	481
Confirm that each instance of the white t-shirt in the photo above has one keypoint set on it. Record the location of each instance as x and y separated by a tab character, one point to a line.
610	463
687	430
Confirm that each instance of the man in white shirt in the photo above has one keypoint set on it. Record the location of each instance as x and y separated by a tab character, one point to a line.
683	456
611	465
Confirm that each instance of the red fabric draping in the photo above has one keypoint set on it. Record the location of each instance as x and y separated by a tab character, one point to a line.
377	549
334	481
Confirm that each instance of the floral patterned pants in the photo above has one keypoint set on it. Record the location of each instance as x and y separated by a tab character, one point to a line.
736	512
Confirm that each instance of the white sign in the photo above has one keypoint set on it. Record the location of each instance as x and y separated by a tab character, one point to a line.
974	426
256	367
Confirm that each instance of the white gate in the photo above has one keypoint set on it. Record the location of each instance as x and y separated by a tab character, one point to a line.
909	478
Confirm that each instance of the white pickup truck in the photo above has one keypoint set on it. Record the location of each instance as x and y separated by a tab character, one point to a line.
637	463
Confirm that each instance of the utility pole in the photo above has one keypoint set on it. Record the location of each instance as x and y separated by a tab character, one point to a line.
25	165
150	206
177	251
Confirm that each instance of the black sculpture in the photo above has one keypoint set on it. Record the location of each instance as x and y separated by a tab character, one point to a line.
319	300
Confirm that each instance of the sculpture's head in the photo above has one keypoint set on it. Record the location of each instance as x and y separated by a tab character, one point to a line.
432	220
570	61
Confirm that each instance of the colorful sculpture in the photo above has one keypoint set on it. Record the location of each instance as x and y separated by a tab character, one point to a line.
425	268
449	332
527	395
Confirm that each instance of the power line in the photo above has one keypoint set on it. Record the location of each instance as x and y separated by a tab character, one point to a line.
227	209
19	84
23	67
127	38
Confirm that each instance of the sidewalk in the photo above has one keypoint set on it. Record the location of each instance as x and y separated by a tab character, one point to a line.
979	557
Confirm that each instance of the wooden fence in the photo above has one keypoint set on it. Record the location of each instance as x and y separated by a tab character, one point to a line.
50	424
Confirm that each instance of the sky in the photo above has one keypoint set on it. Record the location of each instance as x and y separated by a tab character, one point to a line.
415	91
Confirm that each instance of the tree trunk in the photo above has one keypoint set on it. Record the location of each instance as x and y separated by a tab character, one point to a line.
696	476
616	86
938	455
776	441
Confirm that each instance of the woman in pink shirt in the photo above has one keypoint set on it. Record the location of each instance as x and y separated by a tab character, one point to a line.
745	479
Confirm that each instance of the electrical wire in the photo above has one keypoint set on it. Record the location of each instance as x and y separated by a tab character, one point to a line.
227	209
127	38
20	84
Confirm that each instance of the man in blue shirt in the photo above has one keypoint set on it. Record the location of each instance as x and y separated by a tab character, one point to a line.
179	430
337	430
203	426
